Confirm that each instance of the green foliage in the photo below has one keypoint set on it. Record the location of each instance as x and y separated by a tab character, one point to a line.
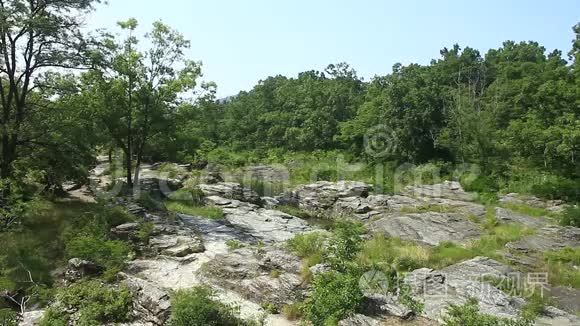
196	307
145	231
8	317
562	267
234	244
334	297
292	311
469	314
393	252
344	245
109	253
309	246
96	303
571	216
210	212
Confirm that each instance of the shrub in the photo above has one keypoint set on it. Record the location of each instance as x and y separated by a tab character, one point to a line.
345	244
405	256
310	246
334	297
210	212
195	307
145	231
571	216
109	253
234	244
8	317
118	215
96	303
292	311
468	314
558	188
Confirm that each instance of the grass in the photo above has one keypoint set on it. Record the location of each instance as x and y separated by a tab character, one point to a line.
527	210
210	212
429	208
562	268
234	244
404	255
309	246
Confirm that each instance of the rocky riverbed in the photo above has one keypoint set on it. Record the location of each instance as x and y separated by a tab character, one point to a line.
184	251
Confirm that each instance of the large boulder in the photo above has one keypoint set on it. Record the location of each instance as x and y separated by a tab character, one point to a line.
322	195
268	275
265	224
556	206
448	189
429	228
230	190
151	304
456	284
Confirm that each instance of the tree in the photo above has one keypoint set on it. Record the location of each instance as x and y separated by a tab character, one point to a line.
35	36
138	93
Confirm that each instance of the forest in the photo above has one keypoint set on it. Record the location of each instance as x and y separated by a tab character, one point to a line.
72	99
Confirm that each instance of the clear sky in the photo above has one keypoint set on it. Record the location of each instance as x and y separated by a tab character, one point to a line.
241	42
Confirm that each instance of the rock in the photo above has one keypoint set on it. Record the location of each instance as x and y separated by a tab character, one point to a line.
270	202
448	189
265	224
127	231
151	304
211	177
360	320
548	238
230	190
31	318
79	268
323	194
320	268
508	216
430	228
217	231
556	317
457	283
556	206
248	272
383	305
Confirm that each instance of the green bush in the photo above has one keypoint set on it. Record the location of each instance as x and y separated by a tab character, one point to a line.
117	215
96	303
334	297
571	216
310	246
196	307
558	188
345	244
109	253
468	314
8	317
403	255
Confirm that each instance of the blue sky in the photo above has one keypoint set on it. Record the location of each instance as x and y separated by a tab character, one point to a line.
241	42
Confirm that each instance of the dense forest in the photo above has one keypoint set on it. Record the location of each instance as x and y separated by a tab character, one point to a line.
69	96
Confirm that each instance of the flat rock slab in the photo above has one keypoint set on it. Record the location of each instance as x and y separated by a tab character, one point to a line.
267	225
429	228
508	216
548	238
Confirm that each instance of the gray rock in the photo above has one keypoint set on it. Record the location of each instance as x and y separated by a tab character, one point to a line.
547	238
429	228
360	320
556	206
230	190
79	268
31	318
447	189
211	177
322	195
383	306
508	216
265	224
127	231
151	304
248	272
